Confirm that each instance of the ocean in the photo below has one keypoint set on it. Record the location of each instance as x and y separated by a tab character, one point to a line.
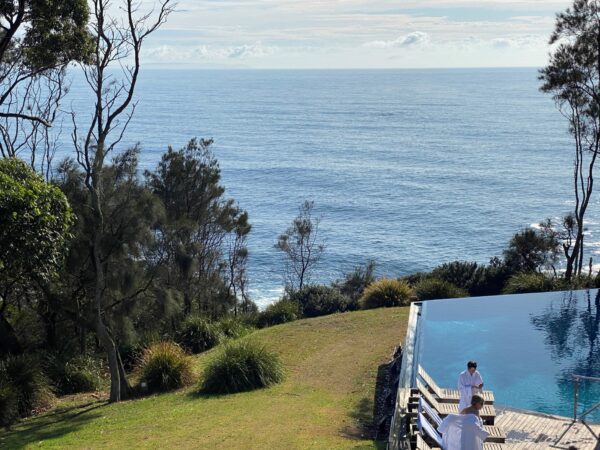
409	168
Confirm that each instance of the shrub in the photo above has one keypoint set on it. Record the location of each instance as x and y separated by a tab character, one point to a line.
197	334
385	293
433	288
282	311
523	283
462	274
23	375
165	366
9	408
414	278
79	374
316	300
233	328
241	366
354	283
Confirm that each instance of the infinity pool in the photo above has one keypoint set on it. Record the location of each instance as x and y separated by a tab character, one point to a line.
527	346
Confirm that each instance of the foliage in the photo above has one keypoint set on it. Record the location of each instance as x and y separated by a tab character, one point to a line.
476	279
525	282
531	250
165	366
353	284
385	293
318	300
34	220
79	374
24	376
202	231
301	247
434	288
462	274
282	311
234	327
198	334
9	404
242	366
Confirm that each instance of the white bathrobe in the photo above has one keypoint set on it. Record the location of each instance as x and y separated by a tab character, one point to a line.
466	383
462	432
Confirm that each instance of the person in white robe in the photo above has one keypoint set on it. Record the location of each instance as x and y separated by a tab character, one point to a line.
469	382
464	431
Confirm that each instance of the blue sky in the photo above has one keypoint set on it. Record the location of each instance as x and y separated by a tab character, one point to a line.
355	33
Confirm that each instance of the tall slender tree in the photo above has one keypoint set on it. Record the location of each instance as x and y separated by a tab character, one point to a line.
573	78
119	33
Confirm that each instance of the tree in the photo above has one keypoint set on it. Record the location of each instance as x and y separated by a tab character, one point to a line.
37	41
573	78
119	34
34	223
532	250
203	235
301	247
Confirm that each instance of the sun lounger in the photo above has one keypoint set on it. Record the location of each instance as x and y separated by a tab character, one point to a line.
487	413
495	433
448	395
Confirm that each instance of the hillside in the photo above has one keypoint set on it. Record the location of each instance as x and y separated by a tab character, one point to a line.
324	403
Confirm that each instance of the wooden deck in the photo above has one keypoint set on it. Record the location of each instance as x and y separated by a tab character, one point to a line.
528	431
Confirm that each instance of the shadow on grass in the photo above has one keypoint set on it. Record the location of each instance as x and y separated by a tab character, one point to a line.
48	426
368	411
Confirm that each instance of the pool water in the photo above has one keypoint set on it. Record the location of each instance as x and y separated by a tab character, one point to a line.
527	347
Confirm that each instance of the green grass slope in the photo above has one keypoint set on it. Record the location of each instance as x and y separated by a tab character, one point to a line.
325	401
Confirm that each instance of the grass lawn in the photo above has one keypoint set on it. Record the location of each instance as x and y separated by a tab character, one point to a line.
325	401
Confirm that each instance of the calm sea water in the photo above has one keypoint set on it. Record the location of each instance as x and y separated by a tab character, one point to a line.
527	347
408	168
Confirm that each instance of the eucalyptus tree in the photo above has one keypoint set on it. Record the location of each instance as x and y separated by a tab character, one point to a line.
573	78
119	32
301	246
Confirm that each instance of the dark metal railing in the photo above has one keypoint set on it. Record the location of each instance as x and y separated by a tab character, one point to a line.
577	379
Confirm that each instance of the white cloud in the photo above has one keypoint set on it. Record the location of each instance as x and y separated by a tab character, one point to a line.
409	40
200	53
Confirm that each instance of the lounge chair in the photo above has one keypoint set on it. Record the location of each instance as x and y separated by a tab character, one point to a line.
487	413
495	433
448	395
425	428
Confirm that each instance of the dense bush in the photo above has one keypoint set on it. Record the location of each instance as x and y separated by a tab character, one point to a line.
385	293
354	283
317	300
241	366
197	334
9	407
282	311
233	327
462	274
165	366
434	288
23	375
476	279
523	283
79	374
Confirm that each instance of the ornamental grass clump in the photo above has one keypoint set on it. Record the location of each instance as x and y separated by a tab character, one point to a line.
385	293
523	283
24	389
241	366
79	374
197	334
165	366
